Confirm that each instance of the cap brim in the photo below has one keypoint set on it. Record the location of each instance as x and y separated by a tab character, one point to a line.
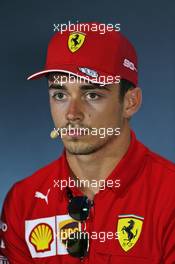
70	71
41	74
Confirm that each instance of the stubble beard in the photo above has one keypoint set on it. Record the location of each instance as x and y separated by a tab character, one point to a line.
76	147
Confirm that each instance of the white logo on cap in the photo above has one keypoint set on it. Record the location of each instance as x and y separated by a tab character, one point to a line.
88	72
128	64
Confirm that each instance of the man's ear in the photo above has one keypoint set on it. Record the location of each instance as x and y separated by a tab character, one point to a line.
132	102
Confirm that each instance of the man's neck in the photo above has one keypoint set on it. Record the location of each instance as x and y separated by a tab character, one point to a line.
98	165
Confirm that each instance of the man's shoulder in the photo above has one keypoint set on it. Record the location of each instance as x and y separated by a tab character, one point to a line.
40	174
160	177
42	177
161	162
161	173
22	194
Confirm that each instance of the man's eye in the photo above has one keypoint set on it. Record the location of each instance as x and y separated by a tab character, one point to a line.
59	96
92	96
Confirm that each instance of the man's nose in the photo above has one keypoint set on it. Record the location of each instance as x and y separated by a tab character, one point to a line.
75	111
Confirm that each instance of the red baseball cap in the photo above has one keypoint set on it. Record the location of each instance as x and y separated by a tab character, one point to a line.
89	53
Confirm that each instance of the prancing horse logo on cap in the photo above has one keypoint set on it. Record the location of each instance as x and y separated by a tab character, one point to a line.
75	41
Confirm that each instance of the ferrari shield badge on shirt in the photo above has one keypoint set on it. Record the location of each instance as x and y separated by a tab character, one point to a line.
75	41
129	228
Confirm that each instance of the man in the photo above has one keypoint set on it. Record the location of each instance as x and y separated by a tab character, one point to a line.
124	211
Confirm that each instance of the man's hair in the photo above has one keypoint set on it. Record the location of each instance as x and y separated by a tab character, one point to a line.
124	87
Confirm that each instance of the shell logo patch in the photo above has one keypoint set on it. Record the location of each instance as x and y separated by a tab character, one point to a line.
76	41
129	228
46	237
41	237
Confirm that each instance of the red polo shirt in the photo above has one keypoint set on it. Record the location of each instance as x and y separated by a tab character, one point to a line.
133	223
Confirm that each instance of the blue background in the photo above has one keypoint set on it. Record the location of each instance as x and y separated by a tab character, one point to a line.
26	27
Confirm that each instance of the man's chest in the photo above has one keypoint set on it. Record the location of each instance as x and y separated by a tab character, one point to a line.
120	229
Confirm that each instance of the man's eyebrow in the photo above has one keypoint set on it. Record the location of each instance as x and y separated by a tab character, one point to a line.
57	86
94	87
82	87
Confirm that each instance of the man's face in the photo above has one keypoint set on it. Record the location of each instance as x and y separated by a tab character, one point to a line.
84	105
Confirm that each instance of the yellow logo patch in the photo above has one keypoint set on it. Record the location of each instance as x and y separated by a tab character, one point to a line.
68	227
75	41
129	229
41	237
